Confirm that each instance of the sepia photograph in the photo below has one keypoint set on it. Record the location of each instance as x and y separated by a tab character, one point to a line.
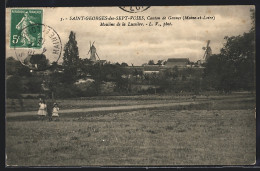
130	86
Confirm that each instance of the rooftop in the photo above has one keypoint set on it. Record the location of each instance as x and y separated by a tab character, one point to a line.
178	60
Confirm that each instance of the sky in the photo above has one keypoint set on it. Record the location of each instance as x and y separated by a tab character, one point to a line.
139	44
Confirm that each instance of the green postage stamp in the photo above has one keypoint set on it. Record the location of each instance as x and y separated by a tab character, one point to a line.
23	36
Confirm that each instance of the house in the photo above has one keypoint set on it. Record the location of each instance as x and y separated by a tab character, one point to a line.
179	62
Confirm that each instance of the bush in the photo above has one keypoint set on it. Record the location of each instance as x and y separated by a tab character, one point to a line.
67	91
14	87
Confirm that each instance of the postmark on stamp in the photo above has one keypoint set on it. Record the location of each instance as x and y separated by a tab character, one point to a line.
134	9
23	36
46	50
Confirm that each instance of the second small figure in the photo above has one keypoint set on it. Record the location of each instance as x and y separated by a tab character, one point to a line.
55	110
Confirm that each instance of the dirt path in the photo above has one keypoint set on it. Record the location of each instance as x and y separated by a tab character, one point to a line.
112	108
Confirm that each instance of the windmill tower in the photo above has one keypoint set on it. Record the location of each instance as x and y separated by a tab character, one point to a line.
208	51
93	52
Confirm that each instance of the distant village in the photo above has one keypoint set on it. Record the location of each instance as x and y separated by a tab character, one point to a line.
153	71
173	74
152	67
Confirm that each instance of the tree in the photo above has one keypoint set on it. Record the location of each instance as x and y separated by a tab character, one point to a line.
164	62
53	82
252	16
71	59
11	65
239	56
40	60
159	62
123	64
71	53
151	62
85	67
234	67
14	87
14	67
33	84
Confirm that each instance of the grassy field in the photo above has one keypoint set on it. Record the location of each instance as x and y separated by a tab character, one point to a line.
223	134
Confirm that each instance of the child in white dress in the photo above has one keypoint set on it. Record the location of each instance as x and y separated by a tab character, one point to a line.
55	110
42	108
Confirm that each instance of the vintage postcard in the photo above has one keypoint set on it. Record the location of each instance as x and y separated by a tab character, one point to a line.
130	86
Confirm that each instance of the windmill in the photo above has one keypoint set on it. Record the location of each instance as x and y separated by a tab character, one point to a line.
207	50
93	52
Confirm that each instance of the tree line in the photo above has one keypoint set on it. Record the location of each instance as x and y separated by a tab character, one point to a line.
233	69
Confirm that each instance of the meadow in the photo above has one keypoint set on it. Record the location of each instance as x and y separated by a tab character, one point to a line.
221	133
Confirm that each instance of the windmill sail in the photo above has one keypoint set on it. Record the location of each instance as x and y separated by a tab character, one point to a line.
89	47
98	56
208	51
